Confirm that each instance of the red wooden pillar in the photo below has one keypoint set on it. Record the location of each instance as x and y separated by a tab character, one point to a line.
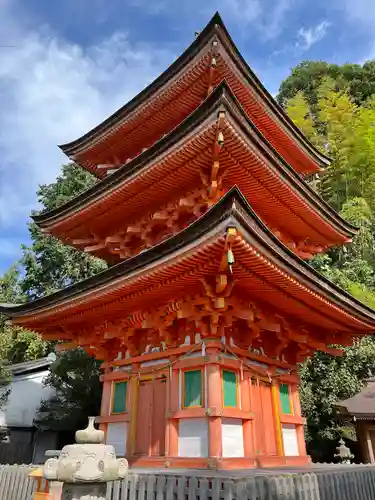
105	407
277	414
247	425
106	395
133	411
214	405
299	427
171	434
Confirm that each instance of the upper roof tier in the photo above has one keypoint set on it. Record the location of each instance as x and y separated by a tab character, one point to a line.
160	107
166	187
267	288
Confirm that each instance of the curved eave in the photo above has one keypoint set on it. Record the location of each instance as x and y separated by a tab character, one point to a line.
217	26
231	211
221	99
119	115
321	159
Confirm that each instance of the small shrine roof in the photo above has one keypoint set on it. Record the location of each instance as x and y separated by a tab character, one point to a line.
361	405
311	160
264	270
129	187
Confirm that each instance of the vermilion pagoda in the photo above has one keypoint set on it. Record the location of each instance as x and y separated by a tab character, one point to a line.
207	308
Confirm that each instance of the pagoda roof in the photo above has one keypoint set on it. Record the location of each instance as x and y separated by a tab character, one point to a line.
264	270
134	116
278	194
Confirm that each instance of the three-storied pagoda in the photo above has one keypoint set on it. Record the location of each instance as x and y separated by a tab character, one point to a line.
208	305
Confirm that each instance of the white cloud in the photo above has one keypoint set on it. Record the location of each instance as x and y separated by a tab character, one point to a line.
244	12
308	37
52	91
266	16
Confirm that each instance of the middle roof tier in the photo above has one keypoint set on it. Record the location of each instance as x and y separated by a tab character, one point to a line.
174	182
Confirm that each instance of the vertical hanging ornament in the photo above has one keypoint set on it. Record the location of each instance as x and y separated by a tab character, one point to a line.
241	371
203	349
230	259
170	371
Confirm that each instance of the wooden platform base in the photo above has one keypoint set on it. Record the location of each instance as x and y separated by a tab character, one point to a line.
217	463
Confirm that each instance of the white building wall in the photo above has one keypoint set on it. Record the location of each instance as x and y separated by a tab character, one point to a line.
27	392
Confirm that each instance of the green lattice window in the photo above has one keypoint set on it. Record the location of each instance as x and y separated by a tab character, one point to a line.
119	397
193	388
285	405
229	389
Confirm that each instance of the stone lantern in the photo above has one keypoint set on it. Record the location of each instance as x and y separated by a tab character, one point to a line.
343	455
86	467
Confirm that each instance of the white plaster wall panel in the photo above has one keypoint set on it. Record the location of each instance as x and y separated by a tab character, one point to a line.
232	437
290	440
154	362
117	436
193	437
27	392
197	354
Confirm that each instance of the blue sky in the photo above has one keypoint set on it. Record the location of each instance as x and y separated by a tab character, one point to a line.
65	65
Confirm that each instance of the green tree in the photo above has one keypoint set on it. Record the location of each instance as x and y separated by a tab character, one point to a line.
8	291
49	265
16	344
75	377
307	77
343	127
10	288
346	133
326	380
346	130
299	111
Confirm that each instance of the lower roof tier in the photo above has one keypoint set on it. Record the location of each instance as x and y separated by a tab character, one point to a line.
225	275
169	185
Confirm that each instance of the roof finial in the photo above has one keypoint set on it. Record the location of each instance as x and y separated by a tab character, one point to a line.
197	33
